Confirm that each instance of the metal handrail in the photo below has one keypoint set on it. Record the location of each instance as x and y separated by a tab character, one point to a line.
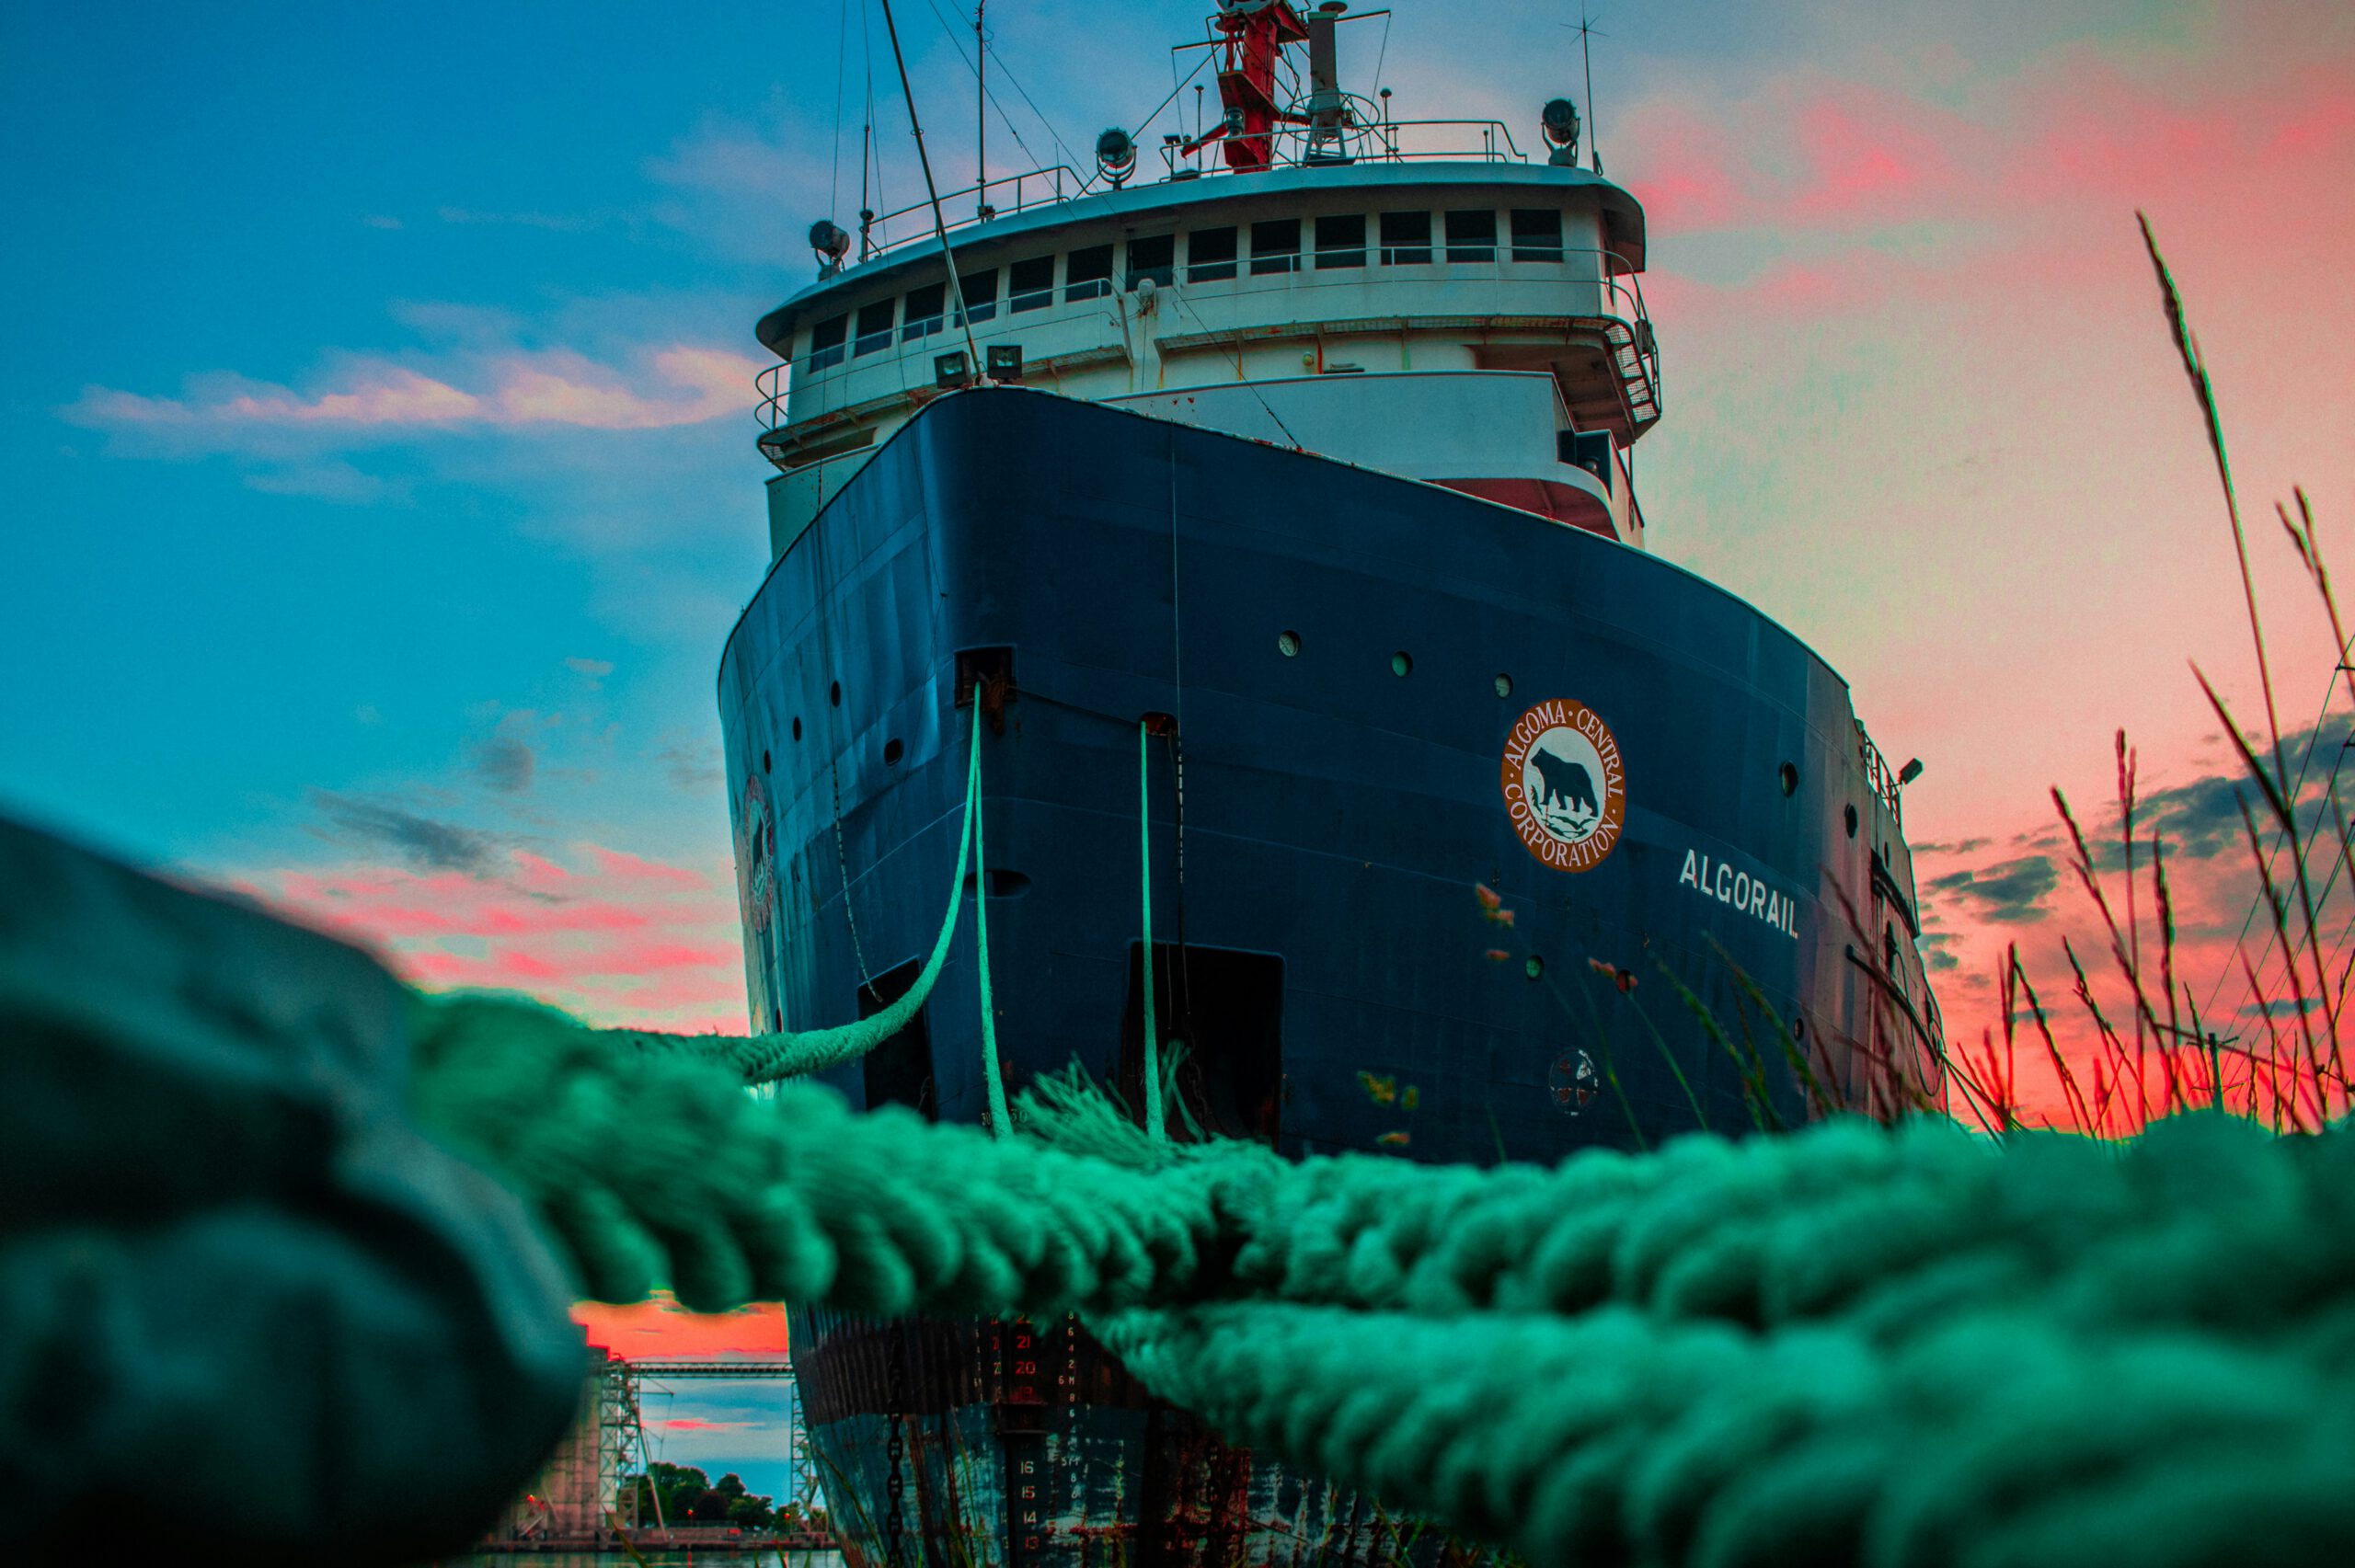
1374	142
871	247
1882	781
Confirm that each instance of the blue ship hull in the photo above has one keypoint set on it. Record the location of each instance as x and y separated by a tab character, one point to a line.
1343	670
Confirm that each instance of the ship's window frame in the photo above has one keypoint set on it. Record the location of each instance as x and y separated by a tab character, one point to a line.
981	293
1087	273
1472	235
829	342
979	289
872	335
932	298
1341	240
1024	288
1270	253
1224	244
1536	233
1406	239
1158	262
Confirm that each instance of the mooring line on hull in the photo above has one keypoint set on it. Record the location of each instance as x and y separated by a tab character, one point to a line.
992	1074
765	1059
1144	866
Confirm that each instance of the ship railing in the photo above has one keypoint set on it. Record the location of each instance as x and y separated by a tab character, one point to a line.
1367	140
1883	780
770	387
974	204
1401	141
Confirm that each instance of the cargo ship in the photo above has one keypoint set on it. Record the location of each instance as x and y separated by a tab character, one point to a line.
1278	510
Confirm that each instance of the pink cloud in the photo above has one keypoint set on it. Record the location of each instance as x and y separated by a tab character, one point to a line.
683	385
620	866
1805	163
698	1423
616	937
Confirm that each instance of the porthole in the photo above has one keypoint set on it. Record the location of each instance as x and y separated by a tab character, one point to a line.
1535	968
1789	774
1504	685
1288	643
892	750
1852	821
764	759
797	728
834	693
777	1016
1798	1028
1401	664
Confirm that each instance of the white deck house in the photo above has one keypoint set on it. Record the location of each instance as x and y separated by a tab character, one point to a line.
1473	323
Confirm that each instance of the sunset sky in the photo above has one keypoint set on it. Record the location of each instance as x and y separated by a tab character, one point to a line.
378	420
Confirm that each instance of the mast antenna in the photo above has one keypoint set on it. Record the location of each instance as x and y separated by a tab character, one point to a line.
981	115
939	223
1587	32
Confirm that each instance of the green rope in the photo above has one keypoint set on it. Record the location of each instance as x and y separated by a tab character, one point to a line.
1000	1122
1846	1344
1152	1029
764	1058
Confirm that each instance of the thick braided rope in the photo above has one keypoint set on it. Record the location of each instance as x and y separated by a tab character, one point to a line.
1988	1436
654	1168
2205	1220
1847	1346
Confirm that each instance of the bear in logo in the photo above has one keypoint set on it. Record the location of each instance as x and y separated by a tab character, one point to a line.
1563	779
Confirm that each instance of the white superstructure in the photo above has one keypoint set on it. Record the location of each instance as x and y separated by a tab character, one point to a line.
1472	320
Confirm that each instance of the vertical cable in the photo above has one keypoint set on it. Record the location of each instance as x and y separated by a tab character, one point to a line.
1000	1123
1144	836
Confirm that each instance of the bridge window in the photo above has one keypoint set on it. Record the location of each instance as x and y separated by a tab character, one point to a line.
874	328
979	289
1032	284
1209	255
1472	236
1341	240
1536	233
1154	257
1089	276
826	340
927	314
1406	239
1275	245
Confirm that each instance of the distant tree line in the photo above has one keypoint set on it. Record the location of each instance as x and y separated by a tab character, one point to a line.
689	1497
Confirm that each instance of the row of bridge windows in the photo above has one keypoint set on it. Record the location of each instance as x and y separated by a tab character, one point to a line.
1336	240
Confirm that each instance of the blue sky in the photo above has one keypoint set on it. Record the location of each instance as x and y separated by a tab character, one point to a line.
378	431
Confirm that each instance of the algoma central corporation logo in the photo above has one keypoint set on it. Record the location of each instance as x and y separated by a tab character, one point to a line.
1564	785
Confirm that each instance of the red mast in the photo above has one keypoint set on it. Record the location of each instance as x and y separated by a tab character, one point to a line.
1255	33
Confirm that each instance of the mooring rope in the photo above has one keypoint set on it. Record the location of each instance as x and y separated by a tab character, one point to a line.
1852	1343
992	1074
1144	877
766	1058
652	1168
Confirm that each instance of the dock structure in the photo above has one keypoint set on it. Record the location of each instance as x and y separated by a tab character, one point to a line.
580	1502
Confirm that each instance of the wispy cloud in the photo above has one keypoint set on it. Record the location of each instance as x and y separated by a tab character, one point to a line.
425	842
2009	892
368	395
